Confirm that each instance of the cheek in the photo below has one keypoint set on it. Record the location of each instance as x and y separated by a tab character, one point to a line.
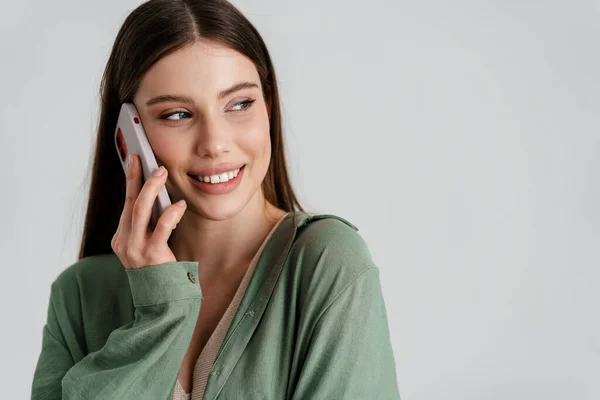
259	144
165	151
257	141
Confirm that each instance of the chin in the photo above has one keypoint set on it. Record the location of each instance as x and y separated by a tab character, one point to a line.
221	208
218	211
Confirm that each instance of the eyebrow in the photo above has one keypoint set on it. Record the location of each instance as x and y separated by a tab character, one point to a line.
185	99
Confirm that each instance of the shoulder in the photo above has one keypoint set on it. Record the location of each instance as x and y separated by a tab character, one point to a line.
333	236
91	275
88	300
330	252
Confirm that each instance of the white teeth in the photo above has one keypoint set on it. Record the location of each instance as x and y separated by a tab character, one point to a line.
224	177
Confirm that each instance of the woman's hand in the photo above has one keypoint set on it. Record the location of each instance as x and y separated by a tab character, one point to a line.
132	243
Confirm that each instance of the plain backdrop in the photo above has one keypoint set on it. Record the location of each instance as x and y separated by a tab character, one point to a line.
462	138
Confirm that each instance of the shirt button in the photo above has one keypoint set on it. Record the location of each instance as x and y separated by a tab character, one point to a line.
191	277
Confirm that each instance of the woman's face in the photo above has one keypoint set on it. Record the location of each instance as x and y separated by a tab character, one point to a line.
195	125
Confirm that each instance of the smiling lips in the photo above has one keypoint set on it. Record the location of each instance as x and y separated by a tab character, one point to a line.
219	178
217	169
222	183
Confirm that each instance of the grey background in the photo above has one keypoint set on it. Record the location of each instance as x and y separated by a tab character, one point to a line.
462	138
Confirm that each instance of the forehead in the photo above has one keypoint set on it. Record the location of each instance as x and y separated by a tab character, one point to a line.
199	70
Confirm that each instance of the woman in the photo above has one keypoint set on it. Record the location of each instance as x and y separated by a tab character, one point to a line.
271	302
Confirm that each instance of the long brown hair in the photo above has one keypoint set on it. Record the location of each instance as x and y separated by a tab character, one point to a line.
153	30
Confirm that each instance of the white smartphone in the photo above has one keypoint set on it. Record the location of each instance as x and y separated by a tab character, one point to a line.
130	138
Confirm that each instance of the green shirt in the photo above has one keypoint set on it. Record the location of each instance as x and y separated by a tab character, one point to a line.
312	324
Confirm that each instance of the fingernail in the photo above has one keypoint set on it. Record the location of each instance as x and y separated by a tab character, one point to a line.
181	203
129	162
159	171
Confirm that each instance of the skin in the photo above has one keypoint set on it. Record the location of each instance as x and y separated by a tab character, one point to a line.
218	231
221	232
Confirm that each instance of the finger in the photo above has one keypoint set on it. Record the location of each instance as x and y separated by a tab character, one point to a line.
166	223
133	184
142	209
114	240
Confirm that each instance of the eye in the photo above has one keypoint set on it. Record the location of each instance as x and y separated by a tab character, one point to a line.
247	104
168	116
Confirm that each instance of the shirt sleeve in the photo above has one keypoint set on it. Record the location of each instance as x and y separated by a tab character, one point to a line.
140	359
349	352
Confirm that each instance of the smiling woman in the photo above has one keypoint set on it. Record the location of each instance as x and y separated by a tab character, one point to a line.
250	297
202	107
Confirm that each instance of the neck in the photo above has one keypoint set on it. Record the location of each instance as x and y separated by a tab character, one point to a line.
224	247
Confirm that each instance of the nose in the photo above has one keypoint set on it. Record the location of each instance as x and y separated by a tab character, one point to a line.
214	139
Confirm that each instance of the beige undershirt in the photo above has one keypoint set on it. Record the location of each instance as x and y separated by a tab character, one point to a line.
209	353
